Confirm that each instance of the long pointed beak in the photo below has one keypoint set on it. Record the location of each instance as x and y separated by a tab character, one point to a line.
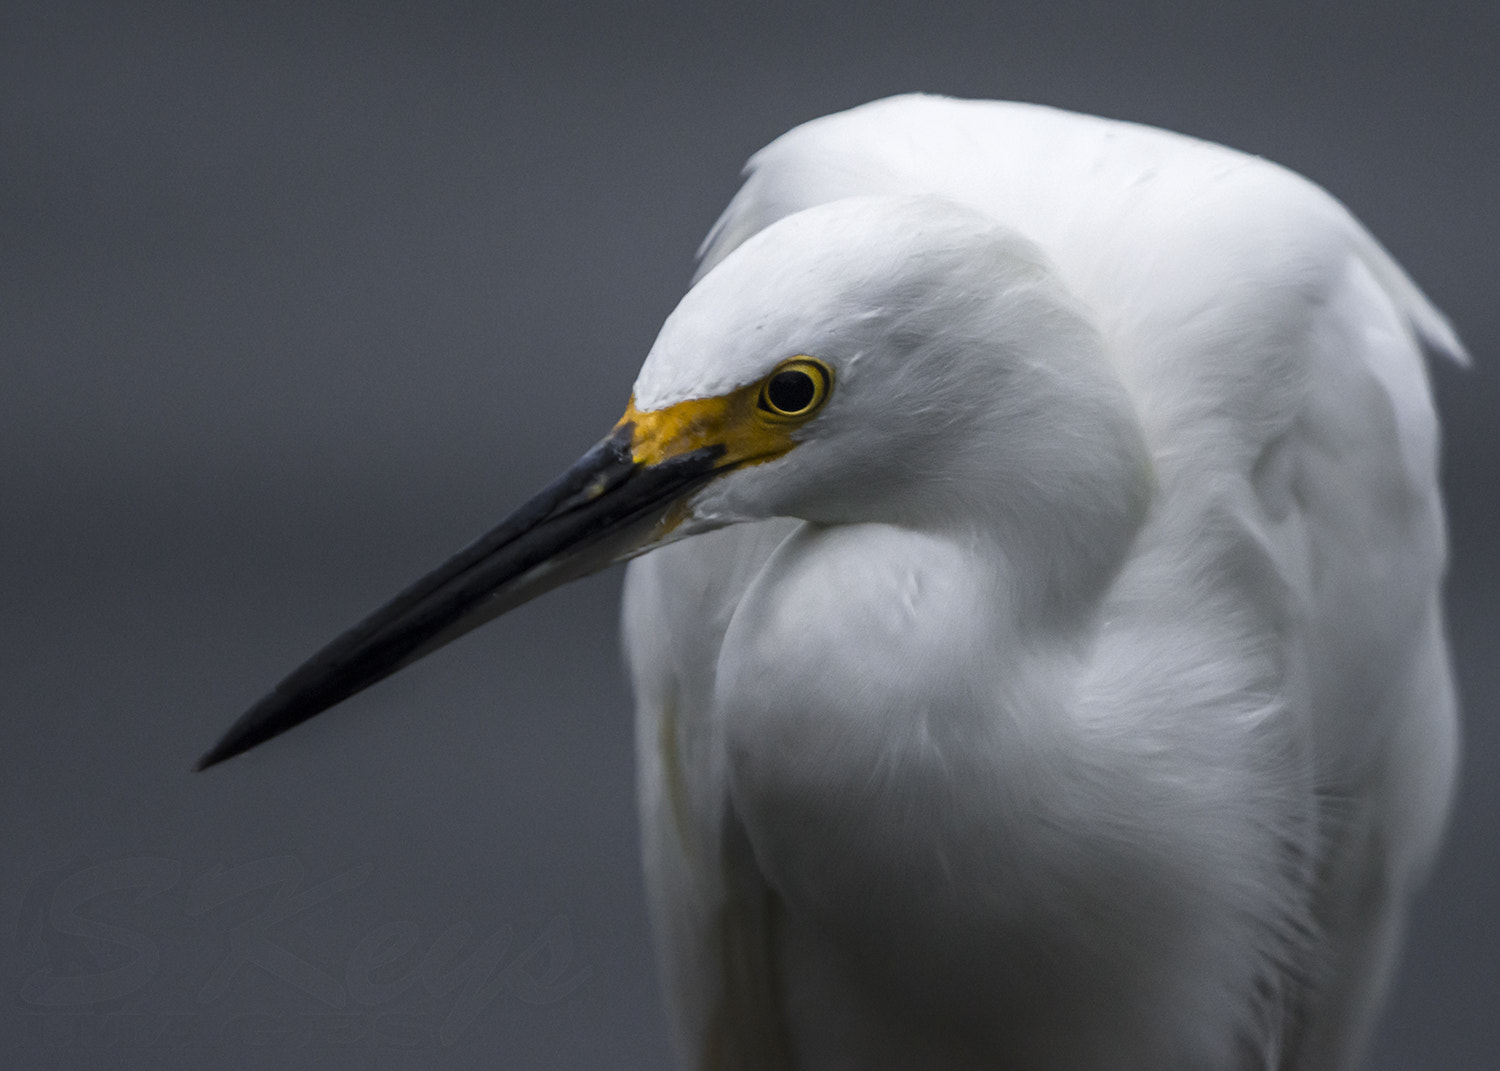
608	506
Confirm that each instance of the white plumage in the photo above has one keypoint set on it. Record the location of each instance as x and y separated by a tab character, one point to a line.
1057	681
1096	712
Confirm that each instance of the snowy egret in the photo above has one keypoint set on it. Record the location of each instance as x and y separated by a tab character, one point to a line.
1057	676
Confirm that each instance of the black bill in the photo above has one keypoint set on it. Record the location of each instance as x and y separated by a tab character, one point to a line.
606	508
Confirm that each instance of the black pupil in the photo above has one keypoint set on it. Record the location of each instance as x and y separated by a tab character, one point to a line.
791	391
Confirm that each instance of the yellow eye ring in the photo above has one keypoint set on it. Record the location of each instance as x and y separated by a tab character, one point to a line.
796	389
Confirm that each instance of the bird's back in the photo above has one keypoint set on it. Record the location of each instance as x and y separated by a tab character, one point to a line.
1272	351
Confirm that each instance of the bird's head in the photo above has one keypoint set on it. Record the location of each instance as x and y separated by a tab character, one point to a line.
868	359
873	359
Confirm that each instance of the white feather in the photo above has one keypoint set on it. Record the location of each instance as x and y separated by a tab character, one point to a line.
1075	695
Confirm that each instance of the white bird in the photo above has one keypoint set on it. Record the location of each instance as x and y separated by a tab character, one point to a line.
1056	679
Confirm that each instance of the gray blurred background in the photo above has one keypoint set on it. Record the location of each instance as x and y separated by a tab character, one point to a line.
297	298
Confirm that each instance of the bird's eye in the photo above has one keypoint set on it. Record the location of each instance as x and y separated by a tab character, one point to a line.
796	388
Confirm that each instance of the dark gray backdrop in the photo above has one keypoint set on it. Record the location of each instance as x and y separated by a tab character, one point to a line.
295	299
